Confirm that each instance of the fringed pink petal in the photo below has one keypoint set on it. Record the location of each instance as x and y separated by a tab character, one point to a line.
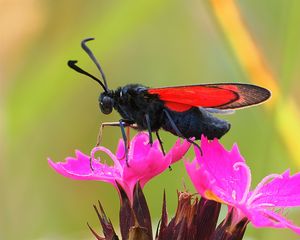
179	150
229	177
281	191
80	168
266	218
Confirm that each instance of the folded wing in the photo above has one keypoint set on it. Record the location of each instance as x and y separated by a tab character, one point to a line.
219	96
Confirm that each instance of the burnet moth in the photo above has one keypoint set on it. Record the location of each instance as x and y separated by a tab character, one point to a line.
185	111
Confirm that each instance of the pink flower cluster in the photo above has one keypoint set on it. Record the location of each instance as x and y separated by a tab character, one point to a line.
217	174
144	163
223	176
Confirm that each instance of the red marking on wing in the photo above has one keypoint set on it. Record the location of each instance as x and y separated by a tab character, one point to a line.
221	96
178	107
200	96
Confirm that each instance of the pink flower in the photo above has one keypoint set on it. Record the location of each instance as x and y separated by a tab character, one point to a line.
145	162
223	176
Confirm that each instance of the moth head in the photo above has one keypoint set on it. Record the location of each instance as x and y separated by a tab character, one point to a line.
106	103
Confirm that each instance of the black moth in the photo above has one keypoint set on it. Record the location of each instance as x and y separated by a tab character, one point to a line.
184	111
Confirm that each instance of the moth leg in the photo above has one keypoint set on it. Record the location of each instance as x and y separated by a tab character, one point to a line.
102	125
178	131
125	123
162	147
91	164
122	124
149	128
99	138
160	142
128	136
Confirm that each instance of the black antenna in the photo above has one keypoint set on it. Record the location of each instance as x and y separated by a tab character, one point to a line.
72	64
94	59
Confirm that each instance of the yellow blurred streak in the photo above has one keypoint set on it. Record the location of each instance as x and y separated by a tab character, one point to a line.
20	22
287	117
243	45
287	120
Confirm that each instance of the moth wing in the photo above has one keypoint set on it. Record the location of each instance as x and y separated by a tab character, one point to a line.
216	96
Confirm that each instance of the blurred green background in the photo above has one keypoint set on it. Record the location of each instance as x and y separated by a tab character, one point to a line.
48	110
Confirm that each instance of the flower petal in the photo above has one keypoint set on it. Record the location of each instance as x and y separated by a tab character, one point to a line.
140	146
117	166
282	191
120	153
266	218
80	168
200	178
145	161
222	172
179	150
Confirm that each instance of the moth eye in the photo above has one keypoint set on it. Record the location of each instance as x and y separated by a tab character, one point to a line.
106	105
